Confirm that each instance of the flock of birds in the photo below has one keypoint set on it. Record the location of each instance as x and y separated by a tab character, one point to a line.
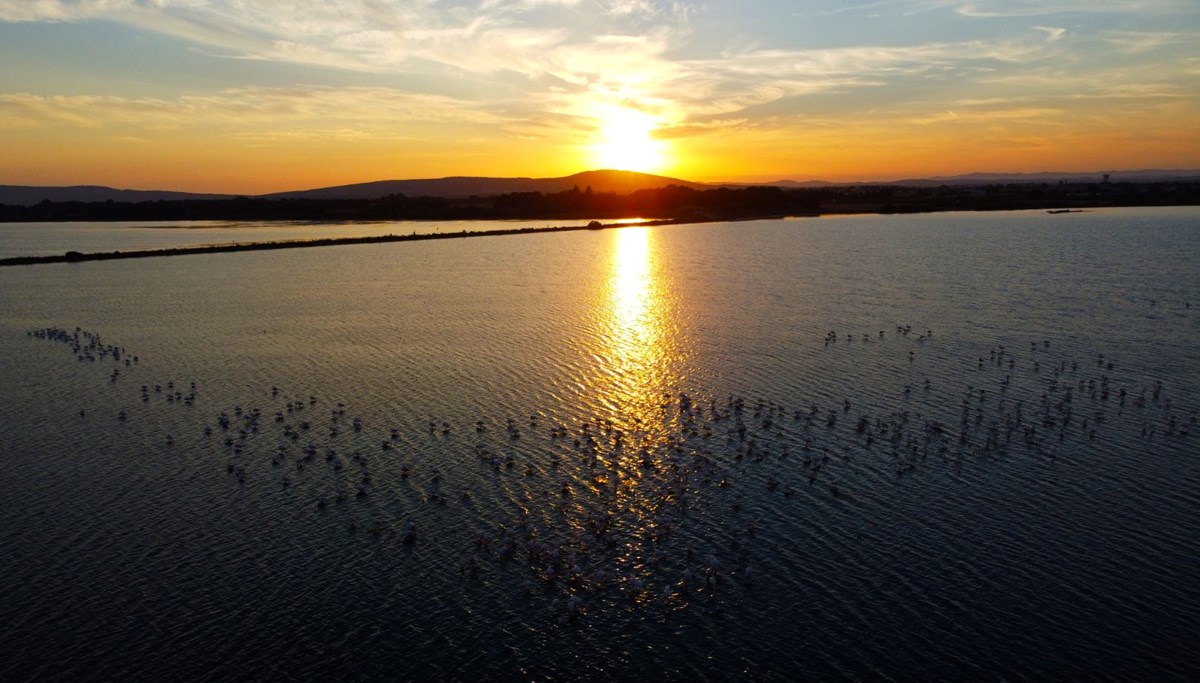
655	506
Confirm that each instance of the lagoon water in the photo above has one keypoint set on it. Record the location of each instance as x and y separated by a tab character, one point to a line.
54	239
955	446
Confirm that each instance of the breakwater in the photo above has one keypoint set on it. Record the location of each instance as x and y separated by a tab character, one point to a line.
76	256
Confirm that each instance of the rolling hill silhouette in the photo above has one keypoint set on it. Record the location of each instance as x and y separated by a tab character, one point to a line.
603	181
619	182
28	195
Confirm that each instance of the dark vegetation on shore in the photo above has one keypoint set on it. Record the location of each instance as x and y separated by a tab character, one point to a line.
672	204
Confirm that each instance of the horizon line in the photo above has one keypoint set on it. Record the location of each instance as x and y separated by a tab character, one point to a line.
1184	172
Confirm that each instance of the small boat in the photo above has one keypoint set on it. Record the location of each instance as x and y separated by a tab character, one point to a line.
1065	211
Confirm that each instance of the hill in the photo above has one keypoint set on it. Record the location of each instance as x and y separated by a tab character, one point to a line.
28	195
620	182
605	181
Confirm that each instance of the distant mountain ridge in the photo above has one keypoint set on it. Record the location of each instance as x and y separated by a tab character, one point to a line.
28	195
1143	175
619	182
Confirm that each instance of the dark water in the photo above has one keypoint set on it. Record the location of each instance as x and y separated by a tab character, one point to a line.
648	458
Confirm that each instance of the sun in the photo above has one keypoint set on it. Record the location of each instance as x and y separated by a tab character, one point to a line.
626	142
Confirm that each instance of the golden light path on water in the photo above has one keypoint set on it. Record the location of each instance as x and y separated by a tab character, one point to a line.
635	384
637	350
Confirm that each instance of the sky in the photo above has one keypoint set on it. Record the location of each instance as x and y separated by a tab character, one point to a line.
255	96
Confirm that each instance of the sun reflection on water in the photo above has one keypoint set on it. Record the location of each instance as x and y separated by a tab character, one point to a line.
636	384
637	348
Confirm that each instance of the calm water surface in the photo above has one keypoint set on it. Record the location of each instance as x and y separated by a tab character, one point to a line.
938	447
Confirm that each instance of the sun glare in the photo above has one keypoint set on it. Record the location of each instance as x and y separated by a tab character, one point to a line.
636	347
626	142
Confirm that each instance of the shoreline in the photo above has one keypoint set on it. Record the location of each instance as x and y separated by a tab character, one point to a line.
80	257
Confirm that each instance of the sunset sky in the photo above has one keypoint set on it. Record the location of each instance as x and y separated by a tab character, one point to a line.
250	96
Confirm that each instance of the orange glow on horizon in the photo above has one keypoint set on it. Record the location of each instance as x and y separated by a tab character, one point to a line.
558	87
208	160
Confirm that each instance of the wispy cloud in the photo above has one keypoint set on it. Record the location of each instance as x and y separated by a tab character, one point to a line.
368	34
1144	41
737	81
589	50
987	9
244	108
551	69
980	117
1037	8
1053	33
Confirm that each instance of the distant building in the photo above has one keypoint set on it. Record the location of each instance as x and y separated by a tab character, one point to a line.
1105	181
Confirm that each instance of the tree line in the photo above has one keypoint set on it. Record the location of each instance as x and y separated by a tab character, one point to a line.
671	202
